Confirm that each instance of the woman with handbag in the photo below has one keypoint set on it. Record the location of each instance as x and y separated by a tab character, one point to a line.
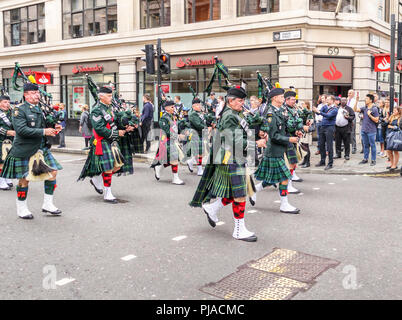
394	128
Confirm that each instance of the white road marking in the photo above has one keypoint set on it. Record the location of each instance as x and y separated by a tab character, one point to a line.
301	194
331	183
344	179
179	238
129	257
252	211
64	281
63	161
220	223
316	188
277	201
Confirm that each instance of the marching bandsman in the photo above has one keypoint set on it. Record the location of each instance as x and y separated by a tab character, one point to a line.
195	147
225	177
7	135
30	146
168	151
104	158
273	169
295	128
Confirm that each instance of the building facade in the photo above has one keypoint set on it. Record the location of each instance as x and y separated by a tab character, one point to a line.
300	43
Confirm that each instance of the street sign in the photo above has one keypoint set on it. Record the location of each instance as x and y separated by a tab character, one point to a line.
287	35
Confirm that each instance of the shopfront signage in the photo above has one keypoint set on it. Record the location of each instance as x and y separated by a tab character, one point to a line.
287	35
87	69
382	63
190	62
165	88
43	78
333	70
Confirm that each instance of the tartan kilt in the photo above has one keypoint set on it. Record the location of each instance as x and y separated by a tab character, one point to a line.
138	143
171	154
18	168
195	147
272	171
96	165
291	154
125	149
221	181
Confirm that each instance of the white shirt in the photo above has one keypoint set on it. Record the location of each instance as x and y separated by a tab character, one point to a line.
341	121
318	118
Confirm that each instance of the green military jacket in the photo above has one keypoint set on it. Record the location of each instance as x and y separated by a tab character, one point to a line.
29	124
197	122
294	121
168	125
276	127
234	135
5	125
99	119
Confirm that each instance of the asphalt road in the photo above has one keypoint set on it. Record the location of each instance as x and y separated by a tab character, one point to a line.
171	251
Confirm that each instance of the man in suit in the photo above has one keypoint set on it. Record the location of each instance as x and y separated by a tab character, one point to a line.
147	117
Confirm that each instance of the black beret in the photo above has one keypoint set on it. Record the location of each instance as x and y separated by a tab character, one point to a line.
196	100
30	87
4	98
105	90
237	92
289	94
275	92
168	103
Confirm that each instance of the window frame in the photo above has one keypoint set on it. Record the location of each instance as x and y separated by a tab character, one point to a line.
193	12
356	2
162	15
254	14
93	9
20	22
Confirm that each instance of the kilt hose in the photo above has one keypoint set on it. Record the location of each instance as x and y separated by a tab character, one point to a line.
97	164
221	181
18	168
291	154
272	171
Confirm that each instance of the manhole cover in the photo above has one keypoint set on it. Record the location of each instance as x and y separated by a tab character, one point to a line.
294	265
253	284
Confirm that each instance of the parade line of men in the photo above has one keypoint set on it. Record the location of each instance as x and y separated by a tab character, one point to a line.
225	140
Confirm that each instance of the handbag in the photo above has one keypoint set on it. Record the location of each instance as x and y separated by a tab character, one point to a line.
394	140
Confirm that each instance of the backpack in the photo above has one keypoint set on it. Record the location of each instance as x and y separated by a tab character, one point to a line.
89	123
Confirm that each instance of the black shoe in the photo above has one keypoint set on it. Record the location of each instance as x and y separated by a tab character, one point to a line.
307	165
10	184
30	217
253	238
328	167
373	163
54	213
338	156
96	189
321	164
347	158
114	201
362	151
210	221
363	161
296	211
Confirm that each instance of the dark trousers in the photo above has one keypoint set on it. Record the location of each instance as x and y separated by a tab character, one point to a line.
62	135
327	137
146	128
342	134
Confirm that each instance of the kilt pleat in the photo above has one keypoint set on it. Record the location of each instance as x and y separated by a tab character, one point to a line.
125	149
272	171
291	154
18	168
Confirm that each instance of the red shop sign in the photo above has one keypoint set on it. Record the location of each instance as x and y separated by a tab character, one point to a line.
382	63
43	78
188	62
165	88
86	69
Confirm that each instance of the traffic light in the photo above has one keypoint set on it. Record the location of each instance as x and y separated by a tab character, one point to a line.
399	52
164	63
149	58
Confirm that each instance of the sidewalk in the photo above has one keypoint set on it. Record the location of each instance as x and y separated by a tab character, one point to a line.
341	166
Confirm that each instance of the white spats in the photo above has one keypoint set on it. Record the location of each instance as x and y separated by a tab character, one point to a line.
200	171
48	205
291	189
176	180
286	207
212	209
3	184
240	231
158	171
98	182
107	194
22	209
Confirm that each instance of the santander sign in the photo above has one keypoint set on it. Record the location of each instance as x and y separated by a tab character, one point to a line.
188	62
333	73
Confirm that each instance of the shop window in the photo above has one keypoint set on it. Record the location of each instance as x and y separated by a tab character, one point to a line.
252	7
85	18
348	6
202	10
24	25
155	13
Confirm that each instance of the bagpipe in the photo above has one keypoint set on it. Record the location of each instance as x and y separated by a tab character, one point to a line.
52	116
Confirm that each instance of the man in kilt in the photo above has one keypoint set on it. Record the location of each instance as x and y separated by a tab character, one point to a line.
224	177
273	169
197	126
104	155
30	137
295	128
6	133
168	150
